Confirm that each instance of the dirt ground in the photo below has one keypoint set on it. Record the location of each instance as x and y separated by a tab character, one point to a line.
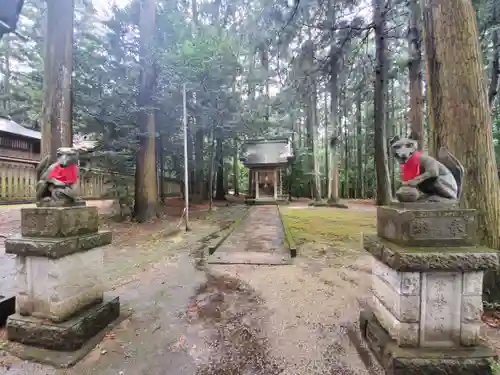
192	318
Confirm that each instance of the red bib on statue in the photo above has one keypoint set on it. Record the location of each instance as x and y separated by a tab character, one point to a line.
411	168
68	175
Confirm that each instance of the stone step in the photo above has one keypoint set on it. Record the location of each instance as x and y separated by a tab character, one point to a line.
250	257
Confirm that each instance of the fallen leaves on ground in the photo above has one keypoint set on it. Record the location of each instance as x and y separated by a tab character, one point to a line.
492	318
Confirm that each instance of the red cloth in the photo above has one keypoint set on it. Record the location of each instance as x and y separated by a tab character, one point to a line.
411	168
68	175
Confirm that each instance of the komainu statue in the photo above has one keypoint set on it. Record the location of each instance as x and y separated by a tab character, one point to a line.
56	181
426	179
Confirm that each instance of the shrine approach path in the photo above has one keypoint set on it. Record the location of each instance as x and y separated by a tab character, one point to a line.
193	318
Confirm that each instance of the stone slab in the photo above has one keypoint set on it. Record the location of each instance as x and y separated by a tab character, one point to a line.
427	227
55	289
249	257
59	221
57	247
70	335
417	361
7	307
422	259
440	309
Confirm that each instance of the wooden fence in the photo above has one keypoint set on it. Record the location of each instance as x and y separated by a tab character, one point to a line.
18	181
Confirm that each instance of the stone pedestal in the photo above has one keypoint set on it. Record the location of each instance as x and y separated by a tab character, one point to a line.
60	301
427	285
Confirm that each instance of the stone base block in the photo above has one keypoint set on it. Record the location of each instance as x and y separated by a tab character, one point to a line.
55	289
55	248
7	307
59	221
70	335
424	226
417	361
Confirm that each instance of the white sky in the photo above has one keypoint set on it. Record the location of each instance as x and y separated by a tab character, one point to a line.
103	6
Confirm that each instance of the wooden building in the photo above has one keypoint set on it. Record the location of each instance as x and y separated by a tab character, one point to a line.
19	144
265	160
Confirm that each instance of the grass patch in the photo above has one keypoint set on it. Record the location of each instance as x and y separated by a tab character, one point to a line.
327	225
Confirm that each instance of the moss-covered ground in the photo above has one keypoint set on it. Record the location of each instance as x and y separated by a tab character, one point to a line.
327	225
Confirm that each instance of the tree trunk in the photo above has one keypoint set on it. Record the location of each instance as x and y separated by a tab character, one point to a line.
6	75
381	73
359	148
327	141
346	185
460	116
211	172
333	186
264	60
495	63
311	119
161	169
57	130
236	170
392	126
415	75
145	172
220	193
199	182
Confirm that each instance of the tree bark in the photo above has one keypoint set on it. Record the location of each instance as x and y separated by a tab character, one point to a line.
381	73
415	75
460	114
145	172
57	130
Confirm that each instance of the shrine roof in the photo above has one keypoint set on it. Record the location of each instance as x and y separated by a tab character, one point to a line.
266	152
9	126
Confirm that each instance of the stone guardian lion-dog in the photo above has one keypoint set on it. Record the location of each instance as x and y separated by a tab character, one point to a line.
426	179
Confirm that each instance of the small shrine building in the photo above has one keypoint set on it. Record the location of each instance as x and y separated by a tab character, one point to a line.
265	160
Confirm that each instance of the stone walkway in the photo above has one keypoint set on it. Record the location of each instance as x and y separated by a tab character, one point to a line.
258	239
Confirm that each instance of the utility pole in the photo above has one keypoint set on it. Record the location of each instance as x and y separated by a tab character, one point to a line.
186	159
